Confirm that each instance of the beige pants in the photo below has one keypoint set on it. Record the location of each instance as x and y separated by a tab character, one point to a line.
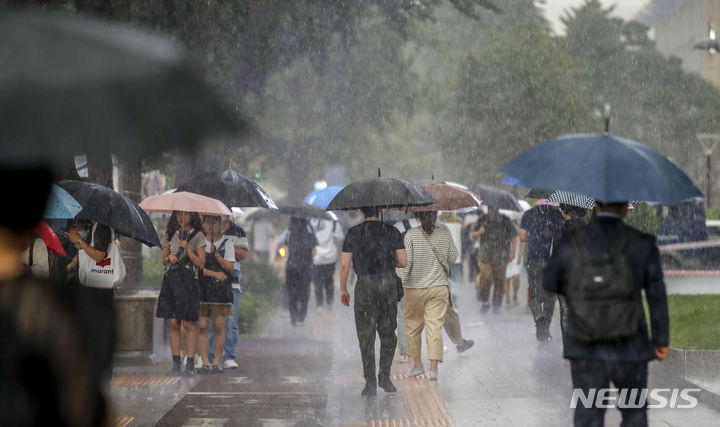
425	309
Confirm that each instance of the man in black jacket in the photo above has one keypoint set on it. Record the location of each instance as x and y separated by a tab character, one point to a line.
624	362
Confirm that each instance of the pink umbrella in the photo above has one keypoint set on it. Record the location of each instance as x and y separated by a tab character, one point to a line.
185	202
546	202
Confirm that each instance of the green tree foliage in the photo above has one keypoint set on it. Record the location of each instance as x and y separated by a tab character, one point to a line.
652	99
521	90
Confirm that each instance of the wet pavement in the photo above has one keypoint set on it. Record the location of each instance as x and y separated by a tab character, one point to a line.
312	376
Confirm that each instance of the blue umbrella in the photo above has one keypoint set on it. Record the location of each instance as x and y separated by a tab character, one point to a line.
511	180
61	205
322	197
604	167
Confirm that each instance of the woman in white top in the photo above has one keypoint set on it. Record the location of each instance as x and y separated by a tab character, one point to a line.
430	250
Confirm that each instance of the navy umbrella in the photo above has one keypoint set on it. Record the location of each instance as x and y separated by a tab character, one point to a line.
604	167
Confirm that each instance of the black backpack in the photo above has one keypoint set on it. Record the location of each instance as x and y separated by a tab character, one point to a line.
603	301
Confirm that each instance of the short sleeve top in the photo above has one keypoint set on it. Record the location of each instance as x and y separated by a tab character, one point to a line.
373	245
196	242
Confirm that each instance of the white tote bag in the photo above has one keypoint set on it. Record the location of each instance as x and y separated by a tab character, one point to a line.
103	274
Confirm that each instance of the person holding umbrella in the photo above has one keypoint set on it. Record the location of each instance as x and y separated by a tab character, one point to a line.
375	250
179	299
216	297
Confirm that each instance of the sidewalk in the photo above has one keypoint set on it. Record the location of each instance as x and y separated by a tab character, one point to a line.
312	376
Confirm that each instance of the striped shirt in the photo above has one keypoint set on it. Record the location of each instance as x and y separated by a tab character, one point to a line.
423	269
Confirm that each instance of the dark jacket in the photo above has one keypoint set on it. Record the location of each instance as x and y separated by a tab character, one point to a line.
644	257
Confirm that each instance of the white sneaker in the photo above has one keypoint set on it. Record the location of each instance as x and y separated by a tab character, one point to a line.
198	362
432	375
444	349
416	371
230	364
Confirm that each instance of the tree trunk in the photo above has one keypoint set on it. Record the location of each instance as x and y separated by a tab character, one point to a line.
130	187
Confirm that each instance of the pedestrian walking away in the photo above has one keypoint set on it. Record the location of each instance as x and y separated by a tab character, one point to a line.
539	228
301	242
329	235
573	217
602	268
496	233
375	250
179	299
430	251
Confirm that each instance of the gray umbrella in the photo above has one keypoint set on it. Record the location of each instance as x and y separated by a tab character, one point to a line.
497	198
73	85
380	192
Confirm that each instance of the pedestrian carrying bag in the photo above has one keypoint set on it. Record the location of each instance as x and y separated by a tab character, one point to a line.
603	301
106	273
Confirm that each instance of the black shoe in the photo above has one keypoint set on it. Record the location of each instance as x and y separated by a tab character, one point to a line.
174	372
204	370
484	308
386	384
190	371
465	345
216	369
370	389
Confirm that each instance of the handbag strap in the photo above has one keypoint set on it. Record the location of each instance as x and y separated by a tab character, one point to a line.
445	269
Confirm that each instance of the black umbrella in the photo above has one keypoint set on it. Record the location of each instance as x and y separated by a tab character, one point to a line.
497	198
306	211
537	193
381	192
231	188
106	206
78	85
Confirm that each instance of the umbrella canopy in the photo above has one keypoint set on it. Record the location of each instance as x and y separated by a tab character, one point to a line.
546	202
106	206
60	204
185	202
231	188
603	167
306	211
511	180
322	197
572	199
448	197
381	192
537	193
98	88
497	198
47	234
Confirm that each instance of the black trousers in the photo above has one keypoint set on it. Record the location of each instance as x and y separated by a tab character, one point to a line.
587	374
322	277
542	302
376	312
297	281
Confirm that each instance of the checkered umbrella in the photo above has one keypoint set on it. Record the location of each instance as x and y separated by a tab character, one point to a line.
572	199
